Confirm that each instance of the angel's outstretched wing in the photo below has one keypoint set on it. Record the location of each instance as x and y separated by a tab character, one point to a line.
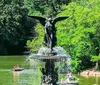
59	19
41	19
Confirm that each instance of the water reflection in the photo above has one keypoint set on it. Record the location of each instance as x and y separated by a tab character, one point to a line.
15	77
96	79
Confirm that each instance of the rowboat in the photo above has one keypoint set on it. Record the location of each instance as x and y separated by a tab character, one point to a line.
18	69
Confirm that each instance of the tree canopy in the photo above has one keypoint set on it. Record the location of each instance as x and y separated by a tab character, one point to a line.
13	29
79	34
44	7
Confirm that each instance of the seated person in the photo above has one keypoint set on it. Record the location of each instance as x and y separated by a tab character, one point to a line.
16	67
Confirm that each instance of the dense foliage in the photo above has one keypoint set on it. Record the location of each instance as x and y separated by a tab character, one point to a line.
14	30
37	41
79	34
44	7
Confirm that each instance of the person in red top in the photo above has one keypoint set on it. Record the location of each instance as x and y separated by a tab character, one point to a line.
14	67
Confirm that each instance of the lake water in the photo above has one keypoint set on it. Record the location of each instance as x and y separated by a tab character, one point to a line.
29	76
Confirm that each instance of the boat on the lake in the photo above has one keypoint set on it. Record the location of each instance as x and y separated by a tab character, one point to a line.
18	69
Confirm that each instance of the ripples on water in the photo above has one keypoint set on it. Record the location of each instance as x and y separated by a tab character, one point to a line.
29	76
25	77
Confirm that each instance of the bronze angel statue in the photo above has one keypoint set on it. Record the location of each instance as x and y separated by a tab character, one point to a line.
50	39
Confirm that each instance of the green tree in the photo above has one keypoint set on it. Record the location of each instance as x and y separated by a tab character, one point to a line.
44	7
79	34
37	41
13	31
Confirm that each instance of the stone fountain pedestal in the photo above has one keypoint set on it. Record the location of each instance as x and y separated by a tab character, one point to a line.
49	72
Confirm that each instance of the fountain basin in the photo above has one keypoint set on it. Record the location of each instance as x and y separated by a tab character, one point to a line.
44	53
48	57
